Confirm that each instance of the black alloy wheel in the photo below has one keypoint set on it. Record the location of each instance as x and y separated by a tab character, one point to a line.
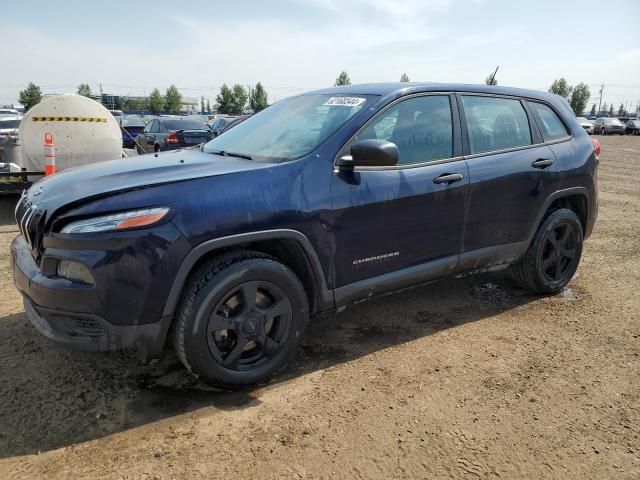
249	325
559	252
554	254
241	319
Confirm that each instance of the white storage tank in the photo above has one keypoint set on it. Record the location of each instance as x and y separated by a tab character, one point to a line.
83	132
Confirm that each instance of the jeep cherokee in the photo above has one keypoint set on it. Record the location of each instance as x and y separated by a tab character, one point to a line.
319	201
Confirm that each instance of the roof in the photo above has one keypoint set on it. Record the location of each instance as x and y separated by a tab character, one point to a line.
385	89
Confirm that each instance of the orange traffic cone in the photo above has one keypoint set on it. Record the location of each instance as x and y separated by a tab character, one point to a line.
49	155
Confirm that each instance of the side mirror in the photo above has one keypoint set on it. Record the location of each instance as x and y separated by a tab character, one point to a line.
370	153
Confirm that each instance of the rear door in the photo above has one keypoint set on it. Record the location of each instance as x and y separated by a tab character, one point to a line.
392	219
511	171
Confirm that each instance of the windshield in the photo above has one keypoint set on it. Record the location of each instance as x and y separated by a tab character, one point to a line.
582	119
612	121
290	128
184	125
132	122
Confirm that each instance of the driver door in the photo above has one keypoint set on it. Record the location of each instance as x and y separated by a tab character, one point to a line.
398	222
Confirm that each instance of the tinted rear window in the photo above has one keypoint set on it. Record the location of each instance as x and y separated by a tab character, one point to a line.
495	123
550	124
184	125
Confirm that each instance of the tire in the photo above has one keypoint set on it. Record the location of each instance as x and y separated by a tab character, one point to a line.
241	319
554	254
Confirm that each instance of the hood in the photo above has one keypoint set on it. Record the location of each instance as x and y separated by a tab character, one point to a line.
99	179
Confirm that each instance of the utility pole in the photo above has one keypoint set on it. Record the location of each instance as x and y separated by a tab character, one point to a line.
600	100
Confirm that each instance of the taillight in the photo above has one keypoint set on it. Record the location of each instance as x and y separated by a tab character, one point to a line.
172	137
596	146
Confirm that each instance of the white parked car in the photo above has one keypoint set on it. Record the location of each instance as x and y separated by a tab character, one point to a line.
8	111
586	124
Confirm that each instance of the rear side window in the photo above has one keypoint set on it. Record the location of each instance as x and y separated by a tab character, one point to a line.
421	128
495	123
550	124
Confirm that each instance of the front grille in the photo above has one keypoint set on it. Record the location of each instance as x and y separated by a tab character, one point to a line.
30	222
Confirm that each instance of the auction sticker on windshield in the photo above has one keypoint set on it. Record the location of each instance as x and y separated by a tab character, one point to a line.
345	101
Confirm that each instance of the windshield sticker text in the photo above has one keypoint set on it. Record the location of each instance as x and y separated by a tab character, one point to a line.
344	101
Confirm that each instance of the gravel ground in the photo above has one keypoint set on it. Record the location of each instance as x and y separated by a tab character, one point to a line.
466	378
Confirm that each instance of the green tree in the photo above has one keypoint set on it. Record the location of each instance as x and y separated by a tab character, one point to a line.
491	80
593	109
156	101
404	77
343	79
225	100
208	106
579	98
621	110
604	109
611	110
561	87
84	89
258	100
172	100
202	104
30	96
239	99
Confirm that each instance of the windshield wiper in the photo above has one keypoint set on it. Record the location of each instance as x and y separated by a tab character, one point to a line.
231	154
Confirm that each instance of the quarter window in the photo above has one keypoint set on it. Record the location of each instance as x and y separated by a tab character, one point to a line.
495	123
550	124
421	128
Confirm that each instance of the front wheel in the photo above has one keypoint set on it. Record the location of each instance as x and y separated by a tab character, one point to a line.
241	319
554	254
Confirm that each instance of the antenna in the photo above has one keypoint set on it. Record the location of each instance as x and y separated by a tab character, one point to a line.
493	75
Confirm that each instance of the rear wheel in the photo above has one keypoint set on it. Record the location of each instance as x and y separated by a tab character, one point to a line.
241	319
554	254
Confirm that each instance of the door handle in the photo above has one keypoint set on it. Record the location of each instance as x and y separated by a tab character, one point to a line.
542	163
448	178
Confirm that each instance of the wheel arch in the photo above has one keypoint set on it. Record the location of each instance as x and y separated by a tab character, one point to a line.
291	247
575	198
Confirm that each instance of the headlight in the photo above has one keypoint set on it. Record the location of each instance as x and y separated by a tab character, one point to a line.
117	221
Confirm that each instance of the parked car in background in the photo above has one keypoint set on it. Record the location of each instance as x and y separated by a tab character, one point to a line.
632	127
9	125
9	111
316	203
131	126
219	123
233	123
586	124
117	114
170	133
608	126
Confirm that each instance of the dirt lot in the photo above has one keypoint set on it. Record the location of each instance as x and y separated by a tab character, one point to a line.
467	378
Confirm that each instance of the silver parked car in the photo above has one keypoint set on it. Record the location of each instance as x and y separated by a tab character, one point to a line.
608	126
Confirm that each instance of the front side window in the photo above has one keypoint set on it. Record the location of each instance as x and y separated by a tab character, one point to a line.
421	128
290	128
495	123
550	124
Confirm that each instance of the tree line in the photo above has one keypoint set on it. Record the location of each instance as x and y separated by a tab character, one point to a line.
234	100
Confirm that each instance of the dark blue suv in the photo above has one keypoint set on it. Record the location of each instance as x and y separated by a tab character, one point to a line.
319	201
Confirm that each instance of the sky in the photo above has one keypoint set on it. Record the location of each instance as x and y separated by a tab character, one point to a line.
292	46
